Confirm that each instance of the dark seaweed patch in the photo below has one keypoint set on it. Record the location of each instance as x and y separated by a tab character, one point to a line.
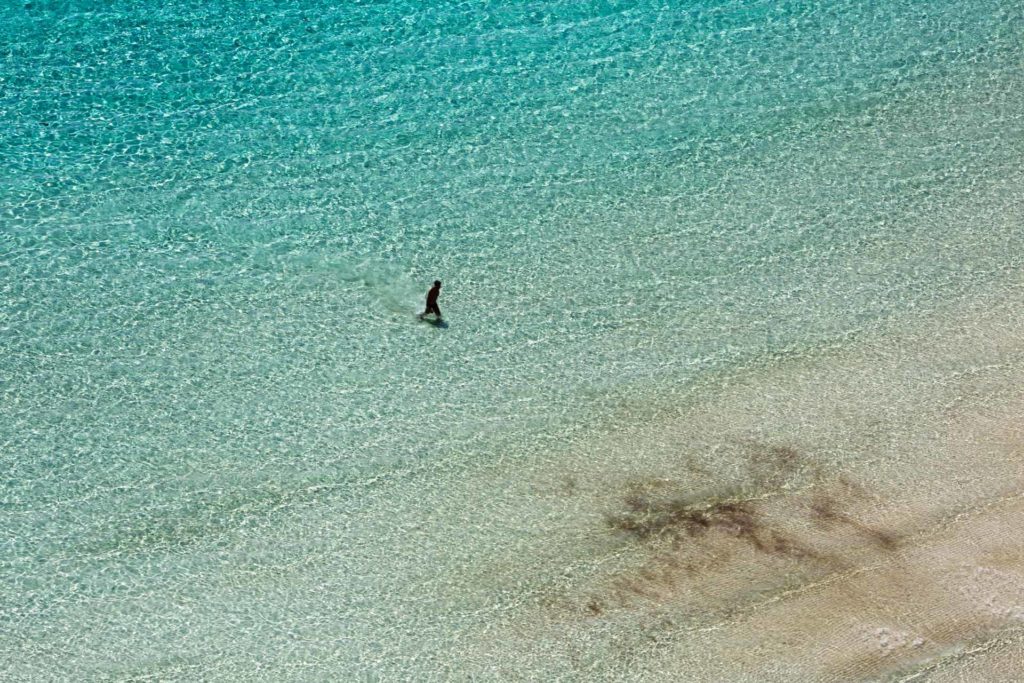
647	519
693	533
825	512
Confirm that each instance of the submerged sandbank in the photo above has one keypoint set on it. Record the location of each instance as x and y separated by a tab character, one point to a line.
850	513
857	514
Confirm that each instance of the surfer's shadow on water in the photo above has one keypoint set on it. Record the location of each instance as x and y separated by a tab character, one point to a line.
435	322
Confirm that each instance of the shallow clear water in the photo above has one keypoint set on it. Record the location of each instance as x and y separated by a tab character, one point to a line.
230	450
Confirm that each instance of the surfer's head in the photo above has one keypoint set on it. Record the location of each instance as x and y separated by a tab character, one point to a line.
437	283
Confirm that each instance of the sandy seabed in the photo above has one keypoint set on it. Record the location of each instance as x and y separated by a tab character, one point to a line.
856	513
855	516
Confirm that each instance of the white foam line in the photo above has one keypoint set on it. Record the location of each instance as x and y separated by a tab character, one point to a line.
960	654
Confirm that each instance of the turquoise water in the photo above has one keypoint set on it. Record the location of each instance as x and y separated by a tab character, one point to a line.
218	220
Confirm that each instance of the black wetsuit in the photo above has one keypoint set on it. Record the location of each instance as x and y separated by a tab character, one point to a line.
432	302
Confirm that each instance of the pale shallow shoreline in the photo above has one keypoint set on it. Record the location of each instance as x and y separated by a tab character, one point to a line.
857	516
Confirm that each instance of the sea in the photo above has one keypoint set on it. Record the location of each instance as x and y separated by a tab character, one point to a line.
673	237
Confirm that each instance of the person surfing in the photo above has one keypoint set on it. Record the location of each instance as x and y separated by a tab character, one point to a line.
432	295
